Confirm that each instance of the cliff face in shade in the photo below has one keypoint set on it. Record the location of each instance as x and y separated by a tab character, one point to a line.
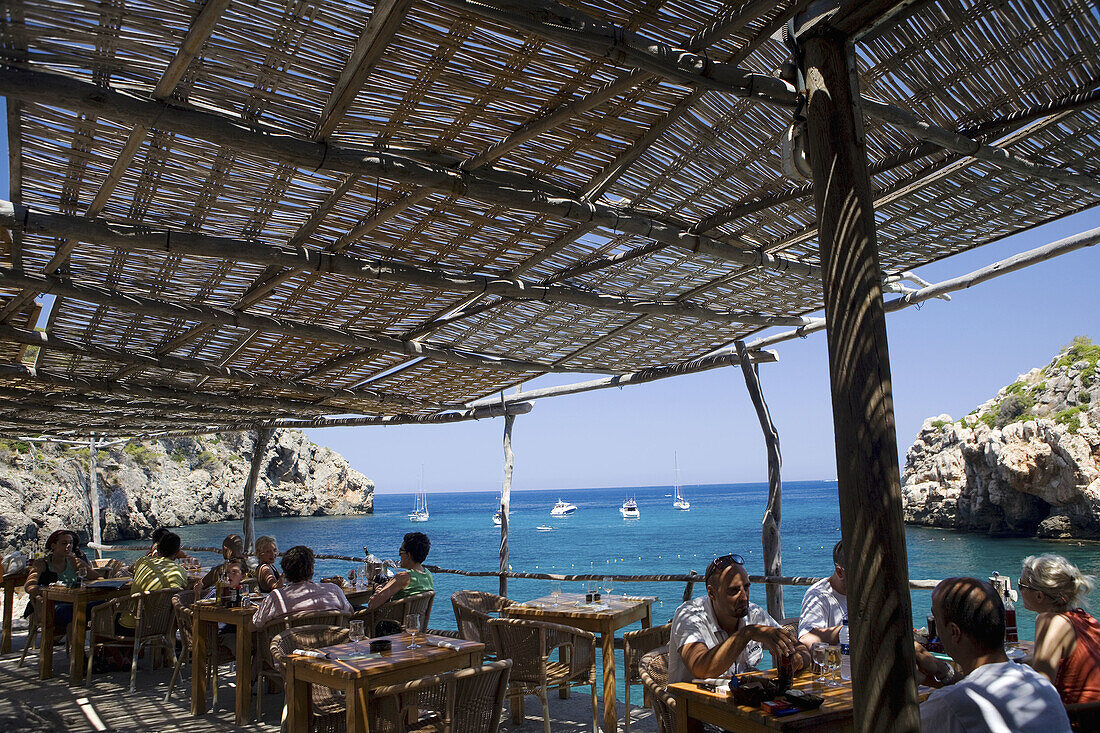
1027	462
172	482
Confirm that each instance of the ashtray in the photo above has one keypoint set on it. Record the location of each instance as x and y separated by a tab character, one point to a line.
381	645
755	692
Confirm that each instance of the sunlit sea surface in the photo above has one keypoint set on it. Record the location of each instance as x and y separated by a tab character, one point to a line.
723	518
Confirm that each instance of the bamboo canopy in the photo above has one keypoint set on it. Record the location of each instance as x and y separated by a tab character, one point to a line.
243	215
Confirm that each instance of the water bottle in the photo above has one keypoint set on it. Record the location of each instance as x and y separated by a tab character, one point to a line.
845	652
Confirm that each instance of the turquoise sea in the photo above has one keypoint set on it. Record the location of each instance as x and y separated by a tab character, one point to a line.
723	518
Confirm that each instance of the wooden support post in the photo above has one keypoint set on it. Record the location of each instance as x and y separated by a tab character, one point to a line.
263	435
773	513
883	668
93	495
690	586
505	499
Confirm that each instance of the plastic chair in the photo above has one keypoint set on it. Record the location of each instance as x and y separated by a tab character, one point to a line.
653	669
529	644
637	644
153	614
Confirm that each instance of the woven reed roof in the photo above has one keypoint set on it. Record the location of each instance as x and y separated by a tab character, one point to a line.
440	86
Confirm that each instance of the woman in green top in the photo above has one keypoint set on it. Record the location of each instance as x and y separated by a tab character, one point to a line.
413	552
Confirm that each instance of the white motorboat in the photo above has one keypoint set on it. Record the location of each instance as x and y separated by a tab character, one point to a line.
544	528
497	518
629	509
679	501
563	509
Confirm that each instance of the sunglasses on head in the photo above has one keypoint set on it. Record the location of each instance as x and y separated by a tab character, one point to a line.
720	563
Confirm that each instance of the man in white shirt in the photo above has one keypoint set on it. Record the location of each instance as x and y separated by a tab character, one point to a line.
723	632
300	593
825	605
995	695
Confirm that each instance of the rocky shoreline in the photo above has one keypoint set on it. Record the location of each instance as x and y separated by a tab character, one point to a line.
171	482
1025	463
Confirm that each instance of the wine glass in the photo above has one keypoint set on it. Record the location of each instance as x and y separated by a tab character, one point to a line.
412	626
358	632
832	663
608	584
818	653
555	592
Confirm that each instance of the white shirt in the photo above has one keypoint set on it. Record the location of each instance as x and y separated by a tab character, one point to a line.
1001	698
303	596
694	623
822	608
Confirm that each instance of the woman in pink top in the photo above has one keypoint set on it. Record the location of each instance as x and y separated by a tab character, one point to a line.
1067	639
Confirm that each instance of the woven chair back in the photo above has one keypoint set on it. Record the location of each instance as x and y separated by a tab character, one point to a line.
396	609
313	636
479	695
637	644
181	606
529	645
155	612
653	669
273	628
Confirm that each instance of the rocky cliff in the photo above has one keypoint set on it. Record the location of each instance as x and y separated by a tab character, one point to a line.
1027	462
172	482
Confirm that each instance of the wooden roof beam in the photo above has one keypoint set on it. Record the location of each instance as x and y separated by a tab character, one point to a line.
129	303
513	191
30	376
208	370
318	261
385	20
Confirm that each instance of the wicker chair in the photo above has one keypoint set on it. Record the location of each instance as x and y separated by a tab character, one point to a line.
183	605
653	669
635	645
396	609
472	613
328	706
471	701
265	668
530	644
108	567
153	614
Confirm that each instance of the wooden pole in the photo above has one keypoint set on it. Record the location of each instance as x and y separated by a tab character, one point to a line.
885	691
93	493
773	513
505	499
263	435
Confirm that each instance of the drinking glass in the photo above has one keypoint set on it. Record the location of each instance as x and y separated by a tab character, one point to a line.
832	663
412	626
608	584
358	633
555	592
82	572
818	653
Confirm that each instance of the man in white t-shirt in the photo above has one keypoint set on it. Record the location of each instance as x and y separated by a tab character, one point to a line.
825	605
722	631
995	695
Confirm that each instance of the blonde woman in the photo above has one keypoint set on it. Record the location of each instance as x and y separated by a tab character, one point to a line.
267	573
1067	639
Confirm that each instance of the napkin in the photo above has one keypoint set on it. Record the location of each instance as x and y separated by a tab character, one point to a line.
441	644
639	598
310	653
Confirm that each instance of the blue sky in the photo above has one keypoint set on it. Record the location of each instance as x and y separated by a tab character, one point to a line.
945	358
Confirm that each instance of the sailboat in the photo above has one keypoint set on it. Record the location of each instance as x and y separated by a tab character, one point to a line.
420	509
679	501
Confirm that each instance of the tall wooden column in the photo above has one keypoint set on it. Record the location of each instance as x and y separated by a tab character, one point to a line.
248	530
505	500
863	412
93	495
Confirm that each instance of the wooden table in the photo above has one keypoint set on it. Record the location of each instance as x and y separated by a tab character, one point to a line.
206	615
695	706
80	598
358	677
619	614
11	580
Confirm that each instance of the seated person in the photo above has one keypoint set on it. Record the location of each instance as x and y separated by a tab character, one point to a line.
235	572
722	632
825	605
61	564
157	534
232	549
299	592
268	576
1067	638
412	553
154	572
995	694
